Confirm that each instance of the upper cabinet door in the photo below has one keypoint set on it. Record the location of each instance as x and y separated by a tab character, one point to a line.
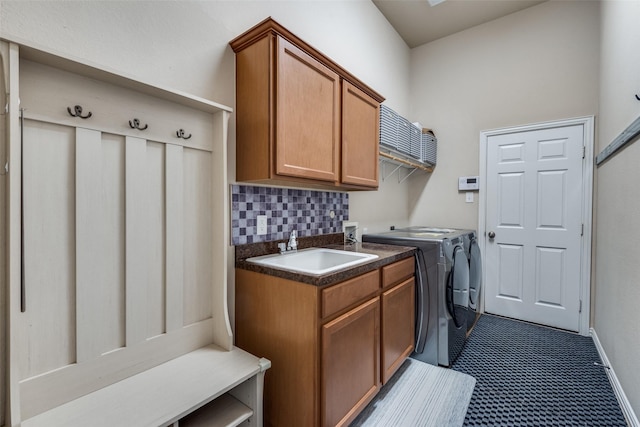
360	137
308	116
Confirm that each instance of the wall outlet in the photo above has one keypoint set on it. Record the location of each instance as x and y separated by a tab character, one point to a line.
469	197
262	225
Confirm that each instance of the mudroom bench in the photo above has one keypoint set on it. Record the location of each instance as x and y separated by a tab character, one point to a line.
117	313
209	386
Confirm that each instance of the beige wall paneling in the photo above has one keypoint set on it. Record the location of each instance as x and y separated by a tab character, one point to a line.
10	62
135	237
223	255
48	326
155	230
109	112
198	236
111	274
174	183
4	75
89	255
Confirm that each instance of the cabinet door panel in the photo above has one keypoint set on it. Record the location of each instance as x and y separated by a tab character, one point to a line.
350	363
397	326
308	120
360	137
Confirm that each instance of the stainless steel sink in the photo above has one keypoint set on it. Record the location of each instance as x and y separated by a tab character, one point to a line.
316	261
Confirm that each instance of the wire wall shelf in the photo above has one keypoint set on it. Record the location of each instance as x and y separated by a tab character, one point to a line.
395	162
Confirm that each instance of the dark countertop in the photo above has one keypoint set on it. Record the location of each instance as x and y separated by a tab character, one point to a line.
387	254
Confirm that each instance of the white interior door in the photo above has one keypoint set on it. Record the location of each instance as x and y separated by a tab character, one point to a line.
534	217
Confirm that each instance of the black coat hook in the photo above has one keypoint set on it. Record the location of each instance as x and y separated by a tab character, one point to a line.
180	134
135	124
637	97
77	112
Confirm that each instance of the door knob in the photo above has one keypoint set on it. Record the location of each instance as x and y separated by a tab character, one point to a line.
492	234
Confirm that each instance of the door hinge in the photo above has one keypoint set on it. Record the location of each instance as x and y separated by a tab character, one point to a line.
584	151
580	309
582	230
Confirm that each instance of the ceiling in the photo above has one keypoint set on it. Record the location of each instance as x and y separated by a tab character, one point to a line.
418	22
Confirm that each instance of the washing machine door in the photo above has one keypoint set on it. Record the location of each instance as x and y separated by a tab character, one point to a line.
458	287
475	275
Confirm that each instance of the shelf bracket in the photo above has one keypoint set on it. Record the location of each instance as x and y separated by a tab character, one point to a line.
384	163
400	181
400	163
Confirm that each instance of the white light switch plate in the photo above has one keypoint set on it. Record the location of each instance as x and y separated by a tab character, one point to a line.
262	225
469	197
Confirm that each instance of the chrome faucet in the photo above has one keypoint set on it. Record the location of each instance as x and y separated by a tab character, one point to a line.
293	241
291	245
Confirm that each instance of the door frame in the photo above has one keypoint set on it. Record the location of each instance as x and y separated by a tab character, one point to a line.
587	123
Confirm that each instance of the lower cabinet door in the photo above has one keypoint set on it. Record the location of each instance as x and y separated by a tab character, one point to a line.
398	326
350	363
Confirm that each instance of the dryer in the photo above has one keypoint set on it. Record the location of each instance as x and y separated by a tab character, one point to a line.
475	278
442	290
474	257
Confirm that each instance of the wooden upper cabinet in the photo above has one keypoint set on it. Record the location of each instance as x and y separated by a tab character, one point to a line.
301	118
359	138
307	118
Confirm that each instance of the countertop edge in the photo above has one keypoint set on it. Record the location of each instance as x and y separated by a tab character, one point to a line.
387	254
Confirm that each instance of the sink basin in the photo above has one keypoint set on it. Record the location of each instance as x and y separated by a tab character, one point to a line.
316	261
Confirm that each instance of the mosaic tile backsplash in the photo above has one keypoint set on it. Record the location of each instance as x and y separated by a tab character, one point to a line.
306	211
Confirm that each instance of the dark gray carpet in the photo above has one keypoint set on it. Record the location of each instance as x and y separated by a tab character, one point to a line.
529	375
419	395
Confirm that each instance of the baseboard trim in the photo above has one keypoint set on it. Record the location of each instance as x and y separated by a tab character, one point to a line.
627	410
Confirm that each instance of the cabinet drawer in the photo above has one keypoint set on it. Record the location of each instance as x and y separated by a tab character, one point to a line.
397	272
337	297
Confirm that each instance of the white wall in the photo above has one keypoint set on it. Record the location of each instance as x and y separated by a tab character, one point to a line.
535	65
617	278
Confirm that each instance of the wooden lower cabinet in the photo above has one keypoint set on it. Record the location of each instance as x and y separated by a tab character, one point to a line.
350	363
331	347
398	326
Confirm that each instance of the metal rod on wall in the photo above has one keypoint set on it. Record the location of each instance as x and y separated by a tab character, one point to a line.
23	296
627	136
